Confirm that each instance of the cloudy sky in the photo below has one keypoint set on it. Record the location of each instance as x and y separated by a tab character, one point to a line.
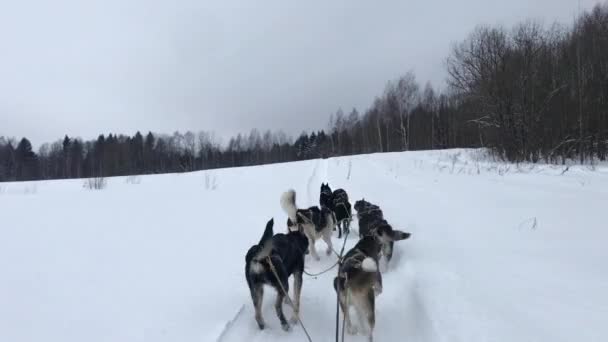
88	67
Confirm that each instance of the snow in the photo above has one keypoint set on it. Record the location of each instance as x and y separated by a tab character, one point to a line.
498	252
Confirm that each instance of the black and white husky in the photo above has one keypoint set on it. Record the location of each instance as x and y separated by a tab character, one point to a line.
372	223
286	252
315	223
337	202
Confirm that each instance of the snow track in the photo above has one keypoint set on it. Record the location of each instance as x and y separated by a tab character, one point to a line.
316	320
165	260
317	176
228	325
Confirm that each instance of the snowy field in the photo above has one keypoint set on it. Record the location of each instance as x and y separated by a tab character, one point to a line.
498	252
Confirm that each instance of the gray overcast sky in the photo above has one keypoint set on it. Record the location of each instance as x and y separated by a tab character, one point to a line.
90	67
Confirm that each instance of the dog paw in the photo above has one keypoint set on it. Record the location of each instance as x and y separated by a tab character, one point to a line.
285	326
293	319
352	330
328	252
261	325
317	258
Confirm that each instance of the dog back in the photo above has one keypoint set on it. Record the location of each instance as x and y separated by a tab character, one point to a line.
359	267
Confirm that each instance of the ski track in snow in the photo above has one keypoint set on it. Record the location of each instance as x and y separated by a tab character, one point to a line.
166	262
243	322
317	176
418	321
228	325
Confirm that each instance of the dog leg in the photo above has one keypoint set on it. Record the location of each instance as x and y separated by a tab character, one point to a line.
365	312
312	249
347	225
371	314
278	306
257	295
297	290
343	297
339	230
345	312
378	283
281	283
350	328
327	239
313	252
387	250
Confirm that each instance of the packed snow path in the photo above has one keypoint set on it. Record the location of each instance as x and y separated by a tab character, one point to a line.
498	252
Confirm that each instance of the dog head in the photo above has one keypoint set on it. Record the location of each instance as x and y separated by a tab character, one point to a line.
292	226
362	205
300	240
325	188
326	195
339	282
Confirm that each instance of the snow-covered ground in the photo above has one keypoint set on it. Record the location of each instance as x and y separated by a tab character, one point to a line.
498	252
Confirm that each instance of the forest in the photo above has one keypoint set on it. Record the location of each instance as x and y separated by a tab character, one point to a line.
529	93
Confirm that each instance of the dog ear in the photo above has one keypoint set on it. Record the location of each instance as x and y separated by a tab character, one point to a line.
339	282
268	233
269	226
400	235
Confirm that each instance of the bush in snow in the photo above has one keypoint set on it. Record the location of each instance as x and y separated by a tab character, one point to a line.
133	180
30	189
210	181
95	183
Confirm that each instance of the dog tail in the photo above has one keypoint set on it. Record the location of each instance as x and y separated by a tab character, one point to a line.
288	203
369	265
264	248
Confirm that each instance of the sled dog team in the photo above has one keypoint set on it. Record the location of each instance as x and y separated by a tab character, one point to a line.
276	257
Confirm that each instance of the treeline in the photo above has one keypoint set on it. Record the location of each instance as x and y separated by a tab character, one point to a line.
529	93
116	155
535	92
